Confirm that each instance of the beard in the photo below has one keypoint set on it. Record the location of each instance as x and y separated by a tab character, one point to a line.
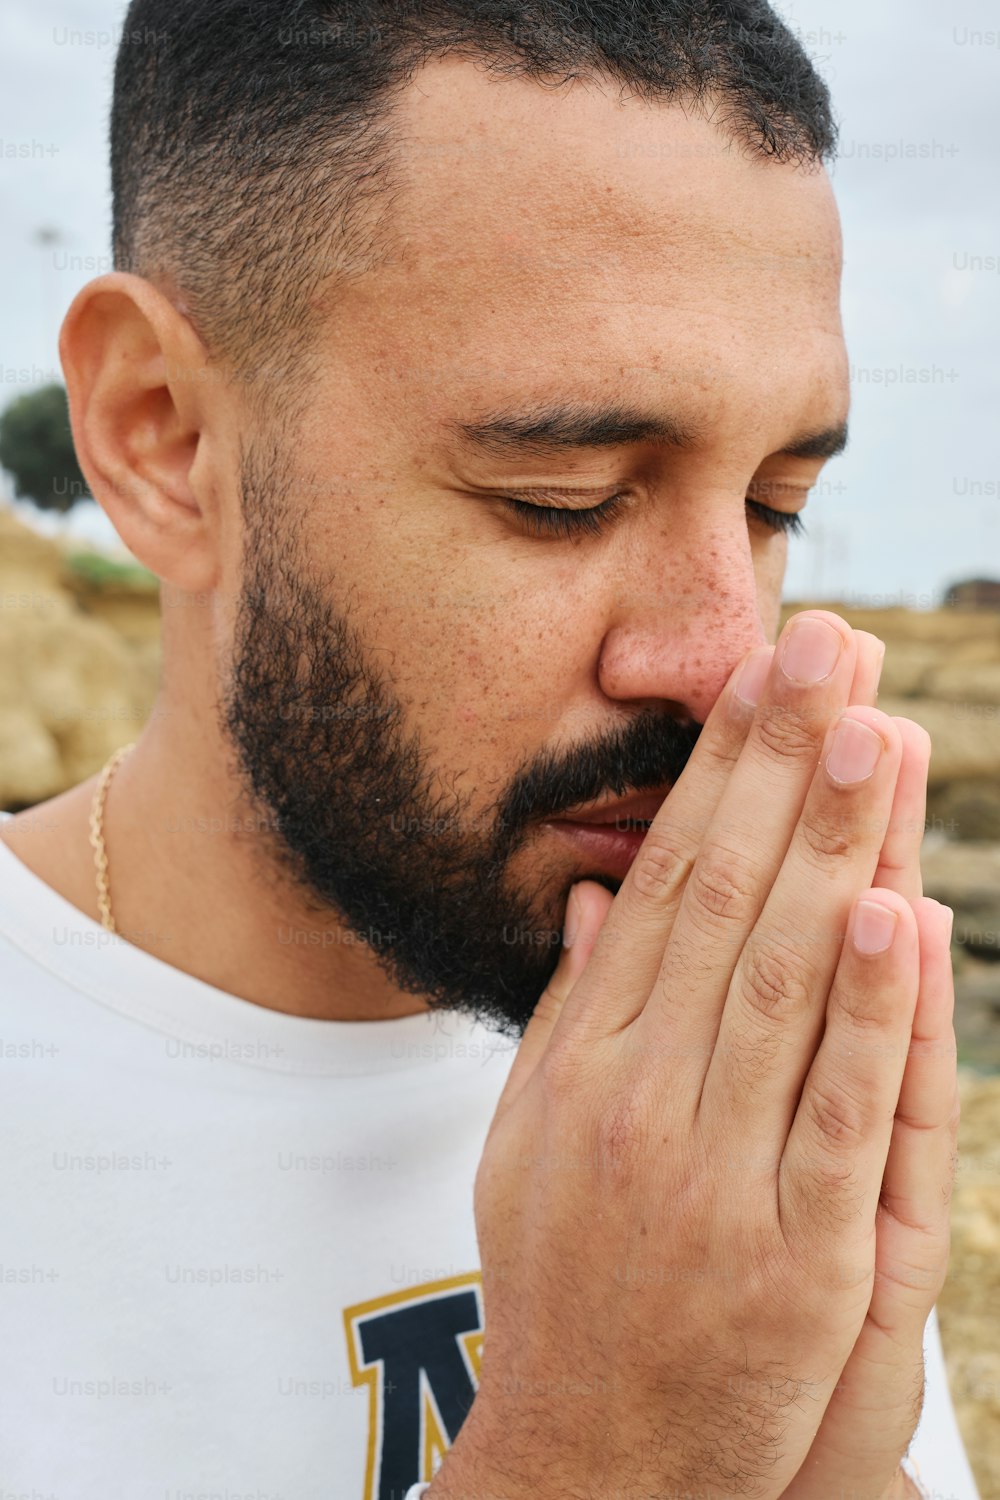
358	814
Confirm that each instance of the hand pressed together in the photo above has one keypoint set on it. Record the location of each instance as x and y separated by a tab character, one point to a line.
712	1207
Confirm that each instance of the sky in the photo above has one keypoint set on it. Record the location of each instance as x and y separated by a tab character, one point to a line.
913	504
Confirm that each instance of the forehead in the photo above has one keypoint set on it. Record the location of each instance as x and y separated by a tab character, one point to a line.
575	231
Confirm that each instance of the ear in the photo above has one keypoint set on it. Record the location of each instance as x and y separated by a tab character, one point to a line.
147	424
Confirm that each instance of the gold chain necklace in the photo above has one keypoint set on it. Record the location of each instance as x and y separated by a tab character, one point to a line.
97	835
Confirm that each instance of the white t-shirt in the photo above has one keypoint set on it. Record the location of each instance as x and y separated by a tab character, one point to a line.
237	1248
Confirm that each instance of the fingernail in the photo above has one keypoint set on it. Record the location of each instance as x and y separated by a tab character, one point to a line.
753	675
865	636
811	650
874	927
854	753
572	923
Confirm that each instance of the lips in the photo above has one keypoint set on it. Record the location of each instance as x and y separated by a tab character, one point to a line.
640	808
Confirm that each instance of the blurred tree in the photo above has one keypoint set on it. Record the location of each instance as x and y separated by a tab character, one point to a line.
36	448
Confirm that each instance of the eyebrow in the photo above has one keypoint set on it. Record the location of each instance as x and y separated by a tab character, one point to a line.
544	430
554	429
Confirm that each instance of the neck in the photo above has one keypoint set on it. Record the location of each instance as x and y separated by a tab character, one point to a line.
194	881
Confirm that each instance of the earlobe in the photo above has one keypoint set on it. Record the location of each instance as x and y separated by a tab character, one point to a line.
140	412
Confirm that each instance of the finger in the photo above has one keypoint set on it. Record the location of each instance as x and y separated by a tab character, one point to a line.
884	1374
771	771
868	1424
760	1024
899	860
773	1011
913	1218
830	1175
868	669
642	918
586	908
642	926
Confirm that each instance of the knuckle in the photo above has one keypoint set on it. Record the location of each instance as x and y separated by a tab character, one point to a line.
859	1012
549	1003
661	867
774	982
723	750
837	1119
840	1200
786	734
752	1060
719	753
721	883
826	839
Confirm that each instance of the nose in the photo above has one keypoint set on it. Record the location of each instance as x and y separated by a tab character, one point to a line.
682	619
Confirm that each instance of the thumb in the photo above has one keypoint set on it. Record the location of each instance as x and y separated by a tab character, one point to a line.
586	908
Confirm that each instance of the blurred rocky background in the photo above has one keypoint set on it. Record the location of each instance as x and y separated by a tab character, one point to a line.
79	668
80	652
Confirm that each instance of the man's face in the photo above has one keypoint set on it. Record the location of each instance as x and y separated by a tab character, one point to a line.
420	676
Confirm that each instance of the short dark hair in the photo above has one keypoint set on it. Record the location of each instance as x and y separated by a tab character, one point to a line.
252	140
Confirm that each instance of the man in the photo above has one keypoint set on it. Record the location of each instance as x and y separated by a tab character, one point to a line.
462	375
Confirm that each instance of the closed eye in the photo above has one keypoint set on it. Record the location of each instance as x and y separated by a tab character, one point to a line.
559	521
788	521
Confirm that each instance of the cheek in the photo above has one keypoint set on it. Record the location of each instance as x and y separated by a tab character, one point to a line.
487	686
484	642
485	666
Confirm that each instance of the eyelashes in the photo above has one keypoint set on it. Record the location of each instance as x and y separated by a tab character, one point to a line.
544	520
787	521
552	521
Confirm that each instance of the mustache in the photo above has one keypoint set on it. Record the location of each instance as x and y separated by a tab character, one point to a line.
641	755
